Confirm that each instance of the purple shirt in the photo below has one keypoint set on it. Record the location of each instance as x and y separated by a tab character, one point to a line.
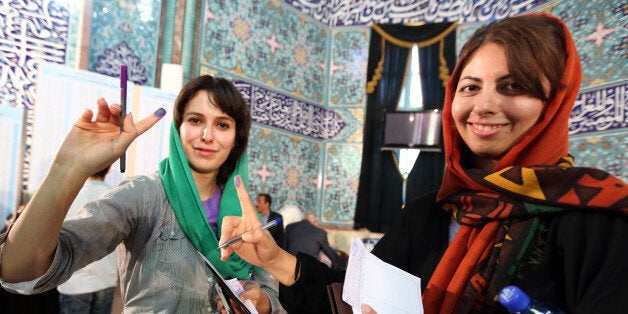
211	209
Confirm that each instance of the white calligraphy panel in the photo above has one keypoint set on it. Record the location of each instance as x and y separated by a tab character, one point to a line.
601	109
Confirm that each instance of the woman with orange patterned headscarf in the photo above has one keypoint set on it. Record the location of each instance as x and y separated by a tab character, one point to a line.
512	210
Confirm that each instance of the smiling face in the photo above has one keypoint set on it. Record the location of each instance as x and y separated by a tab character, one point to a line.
490	110
207	134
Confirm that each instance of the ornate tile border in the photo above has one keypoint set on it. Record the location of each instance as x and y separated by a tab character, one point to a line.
600	109
280	111
32	32
347	12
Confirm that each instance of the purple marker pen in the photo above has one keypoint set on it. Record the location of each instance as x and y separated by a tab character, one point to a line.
123	87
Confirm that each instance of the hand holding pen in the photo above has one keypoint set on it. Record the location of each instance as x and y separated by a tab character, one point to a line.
237	239
246	234
255	245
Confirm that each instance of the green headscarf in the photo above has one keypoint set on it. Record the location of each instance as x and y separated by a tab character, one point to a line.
185	200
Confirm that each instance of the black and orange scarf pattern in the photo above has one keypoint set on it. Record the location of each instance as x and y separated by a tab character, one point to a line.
498	227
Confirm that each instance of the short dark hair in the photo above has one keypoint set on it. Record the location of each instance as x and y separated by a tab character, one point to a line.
227	97
266	197
534	46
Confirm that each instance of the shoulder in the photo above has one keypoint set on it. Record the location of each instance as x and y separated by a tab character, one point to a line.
150	185
424	205
138	193
293	225
147	180
589	223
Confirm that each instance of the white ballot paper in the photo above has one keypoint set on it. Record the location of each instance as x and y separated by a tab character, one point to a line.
235	286
384	287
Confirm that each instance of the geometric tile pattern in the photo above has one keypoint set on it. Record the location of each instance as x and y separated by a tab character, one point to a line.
608	152
125	32
347	67
600	29
284	165
268	43
111	59
304	84
340	183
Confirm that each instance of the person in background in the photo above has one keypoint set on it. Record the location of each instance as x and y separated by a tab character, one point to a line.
90	289
263	208
305	236
160	223
12	303
512	208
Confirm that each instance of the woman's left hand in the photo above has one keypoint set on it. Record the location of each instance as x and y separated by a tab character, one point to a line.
254	292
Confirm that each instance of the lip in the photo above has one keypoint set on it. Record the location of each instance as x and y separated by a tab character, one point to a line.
485	129
205	151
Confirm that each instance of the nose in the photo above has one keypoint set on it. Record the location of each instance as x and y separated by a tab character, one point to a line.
207	136
486	103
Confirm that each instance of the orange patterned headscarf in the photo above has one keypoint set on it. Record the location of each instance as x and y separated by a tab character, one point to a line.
544	144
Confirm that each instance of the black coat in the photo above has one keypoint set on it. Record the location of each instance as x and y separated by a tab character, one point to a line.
579	262
304	237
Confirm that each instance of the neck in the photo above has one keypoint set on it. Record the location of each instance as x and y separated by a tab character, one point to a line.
484	163
205	183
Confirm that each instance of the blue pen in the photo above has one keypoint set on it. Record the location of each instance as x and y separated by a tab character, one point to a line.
269	225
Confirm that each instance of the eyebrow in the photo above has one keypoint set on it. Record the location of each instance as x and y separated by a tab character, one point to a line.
221	117
476	79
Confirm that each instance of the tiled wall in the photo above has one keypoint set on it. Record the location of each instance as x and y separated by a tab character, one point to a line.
598	26
302	64
125	32
305	83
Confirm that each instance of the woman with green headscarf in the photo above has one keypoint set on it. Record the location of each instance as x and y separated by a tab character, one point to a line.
159	222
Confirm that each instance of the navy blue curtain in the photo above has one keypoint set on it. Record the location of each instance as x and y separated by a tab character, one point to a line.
380	187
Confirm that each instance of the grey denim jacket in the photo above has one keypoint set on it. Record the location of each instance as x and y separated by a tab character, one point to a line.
160	269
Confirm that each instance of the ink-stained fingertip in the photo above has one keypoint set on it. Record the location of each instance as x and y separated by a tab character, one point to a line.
160	112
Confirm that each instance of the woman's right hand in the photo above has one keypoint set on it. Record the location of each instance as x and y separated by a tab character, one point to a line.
93	143
89	147
257	246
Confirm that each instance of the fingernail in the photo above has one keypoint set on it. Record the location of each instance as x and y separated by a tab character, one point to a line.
160	112
116	106
237	181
